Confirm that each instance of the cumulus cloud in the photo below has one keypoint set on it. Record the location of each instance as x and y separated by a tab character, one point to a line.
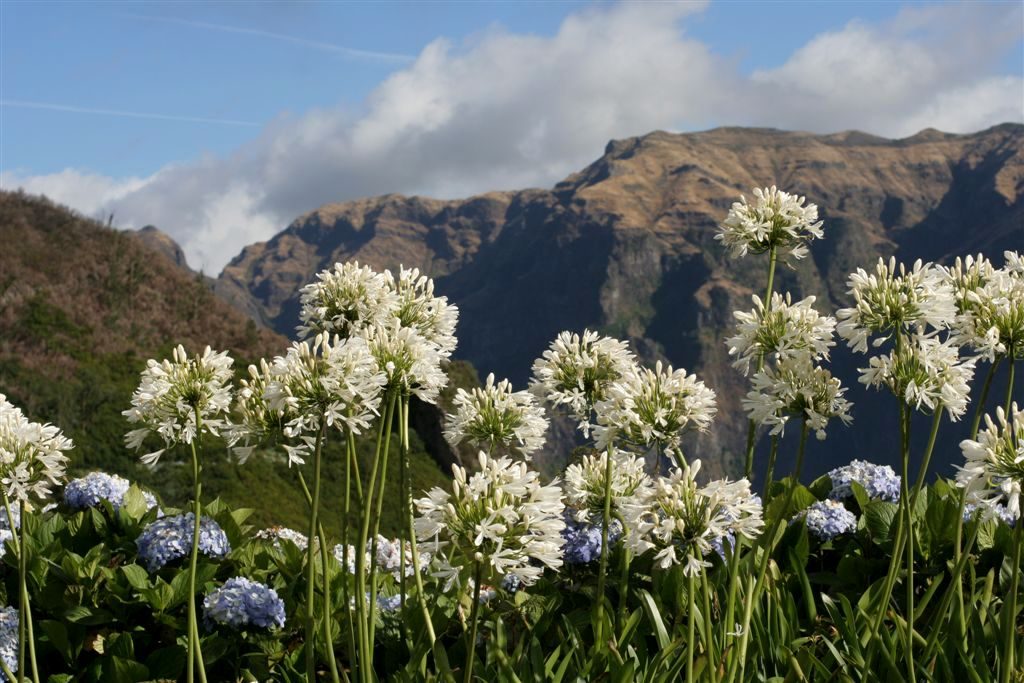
506	111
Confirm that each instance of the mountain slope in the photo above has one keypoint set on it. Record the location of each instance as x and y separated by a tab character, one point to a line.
626	245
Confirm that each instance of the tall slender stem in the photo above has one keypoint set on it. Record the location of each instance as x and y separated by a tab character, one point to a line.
314	509
406	487
1009	390
346	593
691	645
372	621
606	521
195	652
979	410
909	524
770	472
22	603
751	427
1010	619
473	617
709	645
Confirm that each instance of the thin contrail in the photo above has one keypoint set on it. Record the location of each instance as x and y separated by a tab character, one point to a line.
120	112
315	44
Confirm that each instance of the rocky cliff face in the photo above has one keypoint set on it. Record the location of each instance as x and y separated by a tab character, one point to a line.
626	246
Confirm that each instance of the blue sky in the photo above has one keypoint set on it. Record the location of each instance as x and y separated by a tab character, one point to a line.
139	108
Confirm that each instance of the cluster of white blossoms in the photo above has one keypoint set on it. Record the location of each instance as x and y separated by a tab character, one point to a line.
653	407
679	519
585	484
501	517
256	420
171	396
345	300
334	380
927	371
775	219
411	364
576	371
989	305
894	300
498	420
993	473
417	307
780	331
32	458
797	387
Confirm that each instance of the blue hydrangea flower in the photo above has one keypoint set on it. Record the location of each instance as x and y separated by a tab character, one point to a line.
9	639
512	583
718	544
993	511
89	490
15	513
827	519
583	540
241	602
170	539
879	481
388	603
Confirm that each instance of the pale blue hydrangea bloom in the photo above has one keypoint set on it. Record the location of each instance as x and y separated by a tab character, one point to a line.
170	539
827	519
583	540
89	490
512	583
388	603
15	513
998	511
718	544
241	602
879	481
9	639
5	536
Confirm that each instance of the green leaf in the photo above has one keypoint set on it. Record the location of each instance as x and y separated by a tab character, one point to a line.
138	578
654	616
859	494
167	662
134	503
878	518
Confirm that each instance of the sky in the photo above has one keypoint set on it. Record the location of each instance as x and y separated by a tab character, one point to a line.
221	122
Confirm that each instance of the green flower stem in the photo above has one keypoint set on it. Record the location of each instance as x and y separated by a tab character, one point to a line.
751	427
1009	390
406	487
691	644
708	627
195	652
728	624
22	605
1010	619
606	521
770	472
769	545
624	577
907	512
979	410
474	615
940	615
350	456
372	620
7	672
314	509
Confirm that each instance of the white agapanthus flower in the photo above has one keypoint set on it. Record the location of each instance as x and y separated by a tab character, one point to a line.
411	364
783	330
679	519
498	420
654	407
993	473
585	484
577	370
501	516
256	419
389	556
345	300
172	393
774	219
417	307
32	458
990	306
335	380
927	371
796	388
895	299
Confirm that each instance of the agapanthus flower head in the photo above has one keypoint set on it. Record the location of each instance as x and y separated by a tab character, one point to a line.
780	331
275	534
990	307
501	516
827	519
409	362
797	388
345	300
498	420
994	469
679	519
880	482
32	458
654	407
774	219
576	371
173	393
257	420
170	538
583	539
242	603
9	620
585	484
88	491
895	299
334	380
432	316
924	371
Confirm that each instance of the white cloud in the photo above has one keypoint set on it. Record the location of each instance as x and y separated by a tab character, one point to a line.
506	111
